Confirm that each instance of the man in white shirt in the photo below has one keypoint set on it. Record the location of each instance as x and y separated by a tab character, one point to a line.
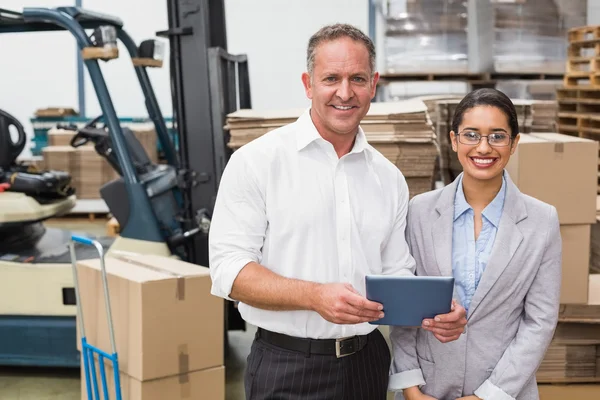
302	215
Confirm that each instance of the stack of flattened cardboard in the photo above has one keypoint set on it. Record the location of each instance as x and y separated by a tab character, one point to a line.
168	327
89	171
431	101
450	168
573	355
246	125
523	108
60	158
543	115
401	131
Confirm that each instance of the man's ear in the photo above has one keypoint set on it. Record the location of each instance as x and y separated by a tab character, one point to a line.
306	81
374	89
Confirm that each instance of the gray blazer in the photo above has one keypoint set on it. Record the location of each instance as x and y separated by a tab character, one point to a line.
512	315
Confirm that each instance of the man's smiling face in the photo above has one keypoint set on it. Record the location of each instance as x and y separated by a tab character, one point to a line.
341	87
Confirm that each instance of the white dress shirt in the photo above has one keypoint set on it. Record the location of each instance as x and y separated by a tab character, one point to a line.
287	202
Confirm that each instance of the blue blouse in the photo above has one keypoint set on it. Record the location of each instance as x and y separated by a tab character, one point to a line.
470	256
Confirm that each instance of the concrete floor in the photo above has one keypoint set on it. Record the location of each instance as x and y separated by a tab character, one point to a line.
64	384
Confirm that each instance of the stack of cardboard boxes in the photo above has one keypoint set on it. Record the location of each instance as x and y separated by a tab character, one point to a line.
169	329
561	170
401	131
572	363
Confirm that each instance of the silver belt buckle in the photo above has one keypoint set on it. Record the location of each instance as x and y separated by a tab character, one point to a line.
338	347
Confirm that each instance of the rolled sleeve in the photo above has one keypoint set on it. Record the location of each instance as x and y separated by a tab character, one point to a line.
406	379
489	391
238	225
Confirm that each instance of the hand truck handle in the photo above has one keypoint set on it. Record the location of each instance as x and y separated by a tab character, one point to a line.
98	246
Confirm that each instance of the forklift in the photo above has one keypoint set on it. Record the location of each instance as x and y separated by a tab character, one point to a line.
162	208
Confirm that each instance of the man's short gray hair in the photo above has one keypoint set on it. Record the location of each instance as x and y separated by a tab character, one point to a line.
333	32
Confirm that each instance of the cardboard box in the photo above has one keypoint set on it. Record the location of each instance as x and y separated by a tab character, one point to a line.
569	392
575	263
594	295
560	170
166	322
207	384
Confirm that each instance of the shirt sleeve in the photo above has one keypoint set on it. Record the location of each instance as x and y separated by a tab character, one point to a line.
238	225
405	370
395	257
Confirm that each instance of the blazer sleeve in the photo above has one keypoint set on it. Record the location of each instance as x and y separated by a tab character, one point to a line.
405	371
524	355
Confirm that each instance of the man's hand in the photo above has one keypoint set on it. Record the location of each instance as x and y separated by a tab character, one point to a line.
414	393
448	327
473	397
340	303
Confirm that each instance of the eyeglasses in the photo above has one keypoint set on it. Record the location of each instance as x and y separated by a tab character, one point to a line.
495	139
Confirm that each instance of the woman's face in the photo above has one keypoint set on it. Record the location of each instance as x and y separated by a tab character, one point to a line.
485	158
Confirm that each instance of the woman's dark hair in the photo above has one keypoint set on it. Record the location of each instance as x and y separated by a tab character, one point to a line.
487	97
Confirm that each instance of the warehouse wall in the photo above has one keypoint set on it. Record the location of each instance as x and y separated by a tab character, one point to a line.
37	69
119	74
593	8
277	59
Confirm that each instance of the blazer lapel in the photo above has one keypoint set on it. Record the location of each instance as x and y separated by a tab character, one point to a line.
441	230
508	239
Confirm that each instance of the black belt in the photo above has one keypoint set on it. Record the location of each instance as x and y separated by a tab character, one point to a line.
334	347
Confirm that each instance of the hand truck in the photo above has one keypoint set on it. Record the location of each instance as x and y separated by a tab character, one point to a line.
87	349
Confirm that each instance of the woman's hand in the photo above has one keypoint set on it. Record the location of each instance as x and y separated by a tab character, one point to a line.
473	397
414	393
448	327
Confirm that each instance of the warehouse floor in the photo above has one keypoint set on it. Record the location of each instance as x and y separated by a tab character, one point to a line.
64	384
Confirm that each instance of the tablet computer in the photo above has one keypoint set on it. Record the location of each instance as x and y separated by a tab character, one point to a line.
407	300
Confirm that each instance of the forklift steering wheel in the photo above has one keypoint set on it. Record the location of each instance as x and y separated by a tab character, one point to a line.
80	138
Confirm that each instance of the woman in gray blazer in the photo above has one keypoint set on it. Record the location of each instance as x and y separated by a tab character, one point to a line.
503	249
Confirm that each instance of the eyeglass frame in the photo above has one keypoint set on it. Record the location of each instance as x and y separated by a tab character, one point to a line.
510	139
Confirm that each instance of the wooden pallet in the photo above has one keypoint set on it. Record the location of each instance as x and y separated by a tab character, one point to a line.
570	123
583	65
584	48
584	33
577	79
469	77
580	94
579	106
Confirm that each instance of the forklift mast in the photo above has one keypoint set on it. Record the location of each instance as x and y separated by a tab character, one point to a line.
207	84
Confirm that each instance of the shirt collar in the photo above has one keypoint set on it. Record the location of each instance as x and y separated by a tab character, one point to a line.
307	133
492	212
460	201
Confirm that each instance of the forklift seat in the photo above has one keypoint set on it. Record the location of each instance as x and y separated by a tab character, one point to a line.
160	181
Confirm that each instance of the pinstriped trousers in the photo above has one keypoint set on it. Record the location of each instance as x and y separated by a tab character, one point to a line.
275	373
